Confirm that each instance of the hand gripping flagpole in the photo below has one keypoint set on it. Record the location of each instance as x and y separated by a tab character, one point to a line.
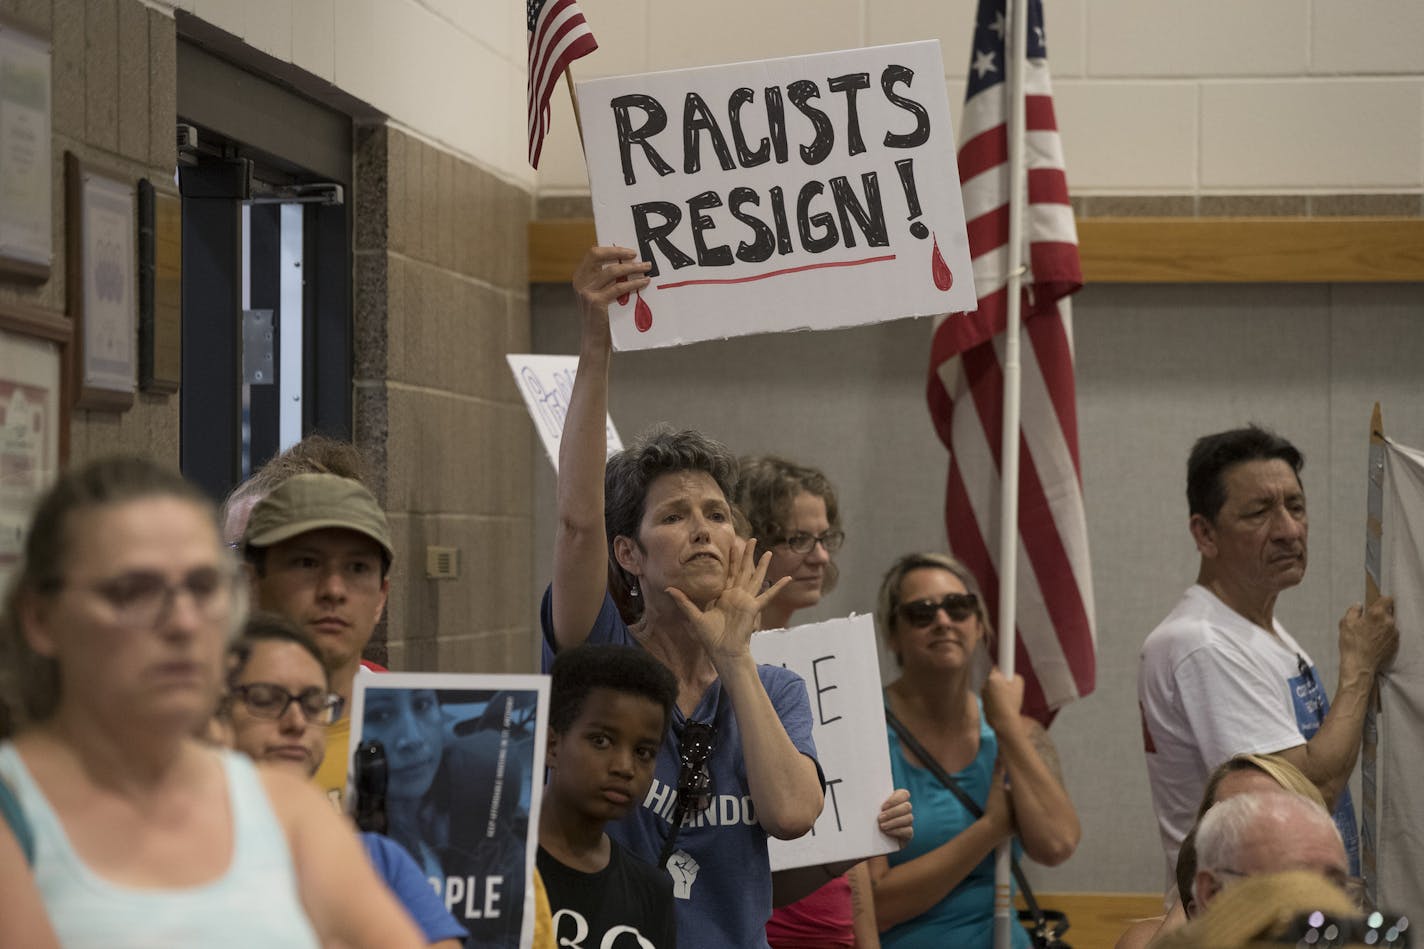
1015	53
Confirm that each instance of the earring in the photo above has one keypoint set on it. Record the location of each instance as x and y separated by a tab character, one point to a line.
633	588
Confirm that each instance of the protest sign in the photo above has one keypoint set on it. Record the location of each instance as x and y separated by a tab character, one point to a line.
464	759
546	383
842	671
801	193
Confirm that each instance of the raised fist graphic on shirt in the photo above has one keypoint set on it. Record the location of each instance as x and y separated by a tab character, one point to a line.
684	873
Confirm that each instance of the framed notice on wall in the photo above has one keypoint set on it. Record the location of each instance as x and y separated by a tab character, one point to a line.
100	225
33	409
25	88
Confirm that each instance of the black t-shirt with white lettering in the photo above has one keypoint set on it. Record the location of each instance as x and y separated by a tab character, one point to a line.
626	905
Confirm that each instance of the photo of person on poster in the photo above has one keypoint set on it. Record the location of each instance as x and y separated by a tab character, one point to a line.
460	772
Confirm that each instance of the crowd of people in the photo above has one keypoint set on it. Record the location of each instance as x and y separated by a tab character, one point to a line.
146	668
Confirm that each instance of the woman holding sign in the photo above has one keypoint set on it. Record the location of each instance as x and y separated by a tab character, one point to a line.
738	762
939	890
793	508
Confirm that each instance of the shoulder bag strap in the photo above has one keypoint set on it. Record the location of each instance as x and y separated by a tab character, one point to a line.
15	817
970	805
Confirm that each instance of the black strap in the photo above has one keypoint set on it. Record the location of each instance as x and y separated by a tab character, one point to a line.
970	805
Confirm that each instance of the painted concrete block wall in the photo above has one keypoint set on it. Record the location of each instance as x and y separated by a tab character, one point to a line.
113	97
450	72
1154	96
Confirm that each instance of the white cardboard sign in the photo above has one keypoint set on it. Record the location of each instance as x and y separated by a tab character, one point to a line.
838	660
803	193
546	383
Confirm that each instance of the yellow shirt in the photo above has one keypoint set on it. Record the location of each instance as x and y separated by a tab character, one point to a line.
331	776
543	916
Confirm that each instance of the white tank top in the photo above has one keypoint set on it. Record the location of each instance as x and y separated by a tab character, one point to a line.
254	903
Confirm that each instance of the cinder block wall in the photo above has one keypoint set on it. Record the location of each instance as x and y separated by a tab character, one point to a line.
114	94
1213	98
442	294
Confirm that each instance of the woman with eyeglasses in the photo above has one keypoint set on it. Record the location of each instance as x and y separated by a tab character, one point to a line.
114	631
278	705
646	556
939	890
794	509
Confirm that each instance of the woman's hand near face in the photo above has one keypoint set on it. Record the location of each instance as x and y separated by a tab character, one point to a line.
725	627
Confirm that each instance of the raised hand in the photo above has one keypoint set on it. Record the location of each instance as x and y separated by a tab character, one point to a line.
605	274
725	626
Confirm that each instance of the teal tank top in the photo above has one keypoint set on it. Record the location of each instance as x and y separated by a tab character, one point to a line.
254	903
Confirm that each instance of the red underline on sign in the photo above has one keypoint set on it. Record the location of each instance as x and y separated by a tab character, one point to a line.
774	273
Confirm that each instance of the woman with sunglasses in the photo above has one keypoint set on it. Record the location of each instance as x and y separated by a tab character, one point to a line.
114	631
939	890
646	556
794	508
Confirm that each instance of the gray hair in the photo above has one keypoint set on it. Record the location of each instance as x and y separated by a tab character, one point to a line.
1224	828
660	450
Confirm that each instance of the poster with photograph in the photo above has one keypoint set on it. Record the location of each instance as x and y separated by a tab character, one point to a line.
464	772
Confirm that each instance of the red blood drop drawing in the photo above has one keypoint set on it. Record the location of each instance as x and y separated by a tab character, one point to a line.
943	276
642	315
622	299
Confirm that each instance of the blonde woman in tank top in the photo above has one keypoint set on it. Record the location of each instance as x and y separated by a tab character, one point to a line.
114	631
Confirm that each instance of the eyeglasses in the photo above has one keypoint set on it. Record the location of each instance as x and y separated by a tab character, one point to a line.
140	599
802	542
958	606
266	700
1323	931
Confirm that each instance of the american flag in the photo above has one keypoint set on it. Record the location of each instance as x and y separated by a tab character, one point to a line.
558	35
1056	641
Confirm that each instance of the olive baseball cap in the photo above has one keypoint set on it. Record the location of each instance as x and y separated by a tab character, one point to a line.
312	502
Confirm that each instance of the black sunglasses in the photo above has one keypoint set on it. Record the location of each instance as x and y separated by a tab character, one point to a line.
958	606
694	781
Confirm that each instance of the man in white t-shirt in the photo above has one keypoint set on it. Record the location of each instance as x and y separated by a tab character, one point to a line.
1220	676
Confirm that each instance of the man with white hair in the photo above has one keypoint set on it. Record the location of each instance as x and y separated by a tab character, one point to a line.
1265	832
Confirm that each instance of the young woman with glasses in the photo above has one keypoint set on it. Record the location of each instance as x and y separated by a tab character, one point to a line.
114	632
939	890
794	509
646	556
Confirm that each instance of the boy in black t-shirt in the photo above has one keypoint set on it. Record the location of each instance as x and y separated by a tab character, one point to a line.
608	711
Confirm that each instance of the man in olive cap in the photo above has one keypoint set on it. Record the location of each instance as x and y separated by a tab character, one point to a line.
319	552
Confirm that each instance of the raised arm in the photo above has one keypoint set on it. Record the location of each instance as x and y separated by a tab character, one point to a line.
785	786
1368	642
1044	816
581	545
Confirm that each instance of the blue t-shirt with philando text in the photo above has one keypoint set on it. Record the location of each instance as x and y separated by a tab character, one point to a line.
720	871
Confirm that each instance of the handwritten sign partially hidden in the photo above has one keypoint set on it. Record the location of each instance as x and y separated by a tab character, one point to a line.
546	383
802	193
842	672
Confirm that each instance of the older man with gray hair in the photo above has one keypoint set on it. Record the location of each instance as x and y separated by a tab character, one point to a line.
1265	832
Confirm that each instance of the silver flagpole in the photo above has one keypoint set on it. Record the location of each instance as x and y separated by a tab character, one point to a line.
1015	54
